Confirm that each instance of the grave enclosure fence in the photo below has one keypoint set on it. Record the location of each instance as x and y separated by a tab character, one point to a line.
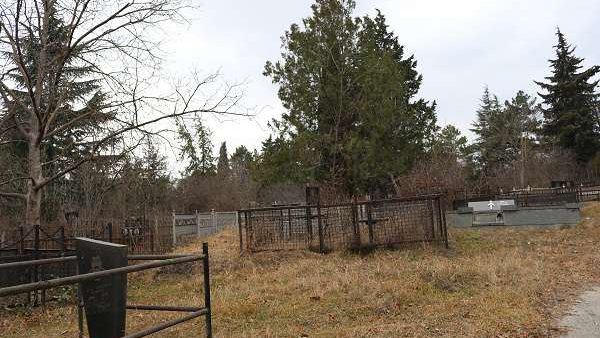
534	197
155	261
355	225
48	242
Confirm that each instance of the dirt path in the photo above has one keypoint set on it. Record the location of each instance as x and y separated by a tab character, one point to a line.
583	321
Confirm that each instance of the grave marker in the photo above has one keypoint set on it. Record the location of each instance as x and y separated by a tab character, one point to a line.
104	298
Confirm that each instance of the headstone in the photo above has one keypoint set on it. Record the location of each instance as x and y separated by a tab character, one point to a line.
104	298
490	205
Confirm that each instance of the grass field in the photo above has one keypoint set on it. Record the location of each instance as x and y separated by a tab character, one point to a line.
490	283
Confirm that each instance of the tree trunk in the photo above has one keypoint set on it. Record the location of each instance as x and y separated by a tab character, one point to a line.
33	209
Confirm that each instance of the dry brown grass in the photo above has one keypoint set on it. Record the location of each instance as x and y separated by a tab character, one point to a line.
491	283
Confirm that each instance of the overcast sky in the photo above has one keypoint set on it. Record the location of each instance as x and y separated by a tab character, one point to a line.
460	45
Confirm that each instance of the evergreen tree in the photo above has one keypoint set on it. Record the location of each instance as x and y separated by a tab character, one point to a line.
241	163
352	118
571	103
485	146
223	168
197	148
450	142
504	133
82	107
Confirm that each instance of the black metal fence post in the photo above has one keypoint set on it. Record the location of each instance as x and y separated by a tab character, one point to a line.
110	232
205	263
63	243
320	225
79	309
355	226
370	221
151	236
442	213
21	241
36	256
309	224
239	216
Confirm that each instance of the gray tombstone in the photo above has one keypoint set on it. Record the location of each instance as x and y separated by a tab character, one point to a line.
104	298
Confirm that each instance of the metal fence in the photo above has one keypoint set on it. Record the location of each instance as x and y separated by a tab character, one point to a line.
392	222
156	262
142	236
46	242
536	197
187	226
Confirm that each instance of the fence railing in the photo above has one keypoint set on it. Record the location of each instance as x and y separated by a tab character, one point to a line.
537	197
353	225
156	262
201	224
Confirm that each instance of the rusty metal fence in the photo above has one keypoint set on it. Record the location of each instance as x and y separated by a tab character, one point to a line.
355	225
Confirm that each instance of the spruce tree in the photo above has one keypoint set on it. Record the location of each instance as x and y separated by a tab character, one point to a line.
571	103
196	148
223	168
485	156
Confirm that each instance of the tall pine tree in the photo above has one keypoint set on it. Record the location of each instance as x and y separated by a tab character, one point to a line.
571	103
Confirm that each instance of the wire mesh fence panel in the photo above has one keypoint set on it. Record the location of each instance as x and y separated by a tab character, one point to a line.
279	228
343	226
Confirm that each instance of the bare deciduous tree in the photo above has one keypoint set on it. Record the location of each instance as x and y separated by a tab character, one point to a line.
113	43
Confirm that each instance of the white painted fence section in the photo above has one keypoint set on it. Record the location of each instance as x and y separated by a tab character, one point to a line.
202	224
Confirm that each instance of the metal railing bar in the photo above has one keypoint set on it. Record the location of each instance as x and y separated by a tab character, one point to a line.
51	283
347	204
175	308
73	258
37	262
155	257
165	325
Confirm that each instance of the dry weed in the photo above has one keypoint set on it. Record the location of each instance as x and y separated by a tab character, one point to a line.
491	283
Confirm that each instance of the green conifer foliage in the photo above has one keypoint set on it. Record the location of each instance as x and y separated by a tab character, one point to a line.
571	103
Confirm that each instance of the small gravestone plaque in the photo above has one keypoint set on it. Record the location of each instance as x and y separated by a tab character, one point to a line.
104	298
